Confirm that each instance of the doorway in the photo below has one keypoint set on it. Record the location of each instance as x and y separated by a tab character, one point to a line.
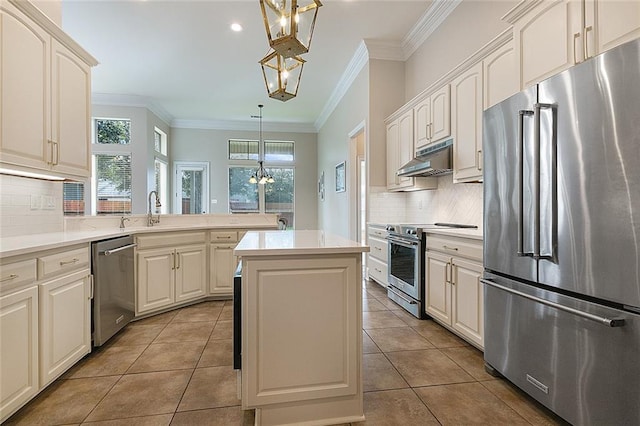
191	184
358	176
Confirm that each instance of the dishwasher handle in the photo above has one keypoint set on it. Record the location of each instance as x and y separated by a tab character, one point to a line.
115	250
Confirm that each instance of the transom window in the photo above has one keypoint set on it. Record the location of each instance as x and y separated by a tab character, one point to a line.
112	131
243	149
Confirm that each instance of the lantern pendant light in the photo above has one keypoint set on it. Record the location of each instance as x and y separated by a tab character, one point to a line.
289	24
282	75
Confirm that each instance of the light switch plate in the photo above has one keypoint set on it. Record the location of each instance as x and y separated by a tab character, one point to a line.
36	202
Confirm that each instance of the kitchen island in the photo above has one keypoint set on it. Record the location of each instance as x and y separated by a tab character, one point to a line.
301	327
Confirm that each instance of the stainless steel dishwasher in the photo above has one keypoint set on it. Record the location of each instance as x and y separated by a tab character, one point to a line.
113	304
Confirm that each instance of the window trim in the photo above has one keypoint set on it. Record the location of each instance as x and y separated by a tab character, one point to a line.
94	178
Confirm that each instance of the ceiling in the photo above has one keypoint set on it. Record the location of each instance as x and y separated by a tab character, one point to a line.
181	59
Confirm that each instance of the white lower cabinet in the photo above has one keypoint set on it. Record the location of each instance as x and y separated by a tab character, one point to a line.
64	323
19	349
222	264
170	275
454	294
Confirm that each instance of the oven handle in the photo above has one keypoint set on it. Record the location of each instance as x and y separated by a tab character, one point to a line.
404	243
409	301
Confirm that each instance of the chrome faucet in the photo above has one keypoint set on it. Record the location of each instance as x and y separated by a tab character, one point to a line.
122	219
150	220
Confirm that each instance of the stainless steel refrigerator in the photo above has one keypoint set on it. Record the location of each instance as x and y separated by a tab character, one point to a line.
562	239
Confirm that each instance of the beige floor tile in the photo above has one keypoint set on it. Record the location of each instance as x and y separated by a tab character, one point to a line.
64	402
398	339
368	345
395	407
470	359
168	356
407	317
381	319
217	353
438	335
143	394
372	304
529	409
138	334
467	404
228	416
164	318
107	361
160	420
210	387
390	304
428	367
222	330
227	313
379	374
208	311
185	332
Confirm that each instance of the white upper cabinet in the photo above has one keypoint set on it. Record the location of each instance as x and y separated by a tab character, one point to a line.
45	87
552	35
500	75
433	118
392	154
467	125
405	146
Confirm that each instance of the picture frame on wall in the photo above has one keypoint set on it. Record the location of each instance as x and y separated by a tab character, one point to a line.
321	186
341	177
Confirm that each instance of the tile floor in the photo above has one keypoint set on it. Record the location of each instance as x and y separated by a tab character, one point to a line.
176	369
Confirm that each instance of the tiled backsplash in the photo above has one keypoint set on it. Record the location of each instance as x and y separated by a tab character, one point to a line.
29	206
459	203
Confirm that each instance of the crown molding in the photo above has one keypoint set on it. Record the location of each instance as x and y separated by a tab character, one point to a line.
427	24
385	50
242	125
135	101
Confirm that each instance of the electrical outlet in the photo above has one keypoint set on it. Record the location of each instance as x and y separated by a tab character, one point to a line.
36	202
48	202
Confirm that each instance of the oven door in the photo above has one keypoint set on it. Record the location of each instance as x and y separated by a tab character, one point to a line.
404	265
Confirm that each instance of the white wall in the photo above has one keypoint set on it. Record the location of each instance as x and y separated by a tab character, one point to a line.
333	148
211	146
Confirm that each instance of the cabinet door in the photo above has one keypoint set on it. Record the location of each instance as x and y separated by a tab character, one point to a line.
467	119
24	90
405	146
438	286
70	112
609	24
156	279
422	121
545	38
222	266
191	272
500	75
468	301
65	324
392	154
440	114
19	349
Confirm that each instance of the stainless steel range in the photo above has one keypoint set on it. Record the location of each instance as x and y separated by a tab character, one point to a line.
407	244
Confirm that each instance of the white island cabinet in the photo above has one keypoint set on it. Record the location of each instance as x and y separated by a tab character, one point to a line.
301	327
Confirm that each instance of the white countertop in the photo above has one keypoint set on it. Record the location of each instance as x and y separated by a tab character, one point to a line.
268	243
94	231
475	234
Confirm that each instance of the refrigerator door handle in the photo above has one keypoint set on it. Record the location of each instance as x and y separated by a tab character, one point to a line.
537	252
609	322
521	115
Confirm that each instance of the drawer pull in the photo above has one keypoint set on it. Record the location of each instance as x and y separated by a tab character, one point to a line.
228	237
378	248
69	262
450	248
9	278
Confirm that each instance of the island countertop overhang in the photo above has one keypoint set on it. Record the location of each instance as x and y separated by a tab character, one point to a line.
269	243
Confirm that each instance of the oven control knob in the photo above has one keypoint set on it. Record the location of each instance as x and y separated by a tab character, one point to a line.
411	231
391	228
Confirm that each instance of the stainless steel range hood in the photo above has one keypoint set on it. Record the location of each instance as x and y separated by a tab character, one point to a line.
433	160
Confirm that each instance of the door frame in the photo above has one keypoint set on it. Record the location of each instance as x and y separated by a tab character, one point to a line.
179	166
354	182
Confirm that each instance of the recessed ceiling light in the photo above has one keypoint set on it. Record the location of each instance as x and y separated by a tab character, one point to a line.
236	27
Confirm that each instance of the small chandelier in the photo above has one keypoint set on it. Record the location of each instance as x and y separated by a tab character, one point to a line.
289	37
282	75
261	176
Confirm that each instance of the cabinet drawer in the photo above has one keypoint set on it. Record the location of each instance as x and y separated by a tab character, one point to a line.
16	273
463	247
377	232
172	239
379	249
224	236
377	270
56	264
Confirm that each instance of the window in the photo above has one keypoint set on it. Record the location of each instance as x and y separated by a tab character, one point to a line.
243	150
112	184
160	166
243	196
192	187
114	132
160	141
73	198
278	151
279	195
